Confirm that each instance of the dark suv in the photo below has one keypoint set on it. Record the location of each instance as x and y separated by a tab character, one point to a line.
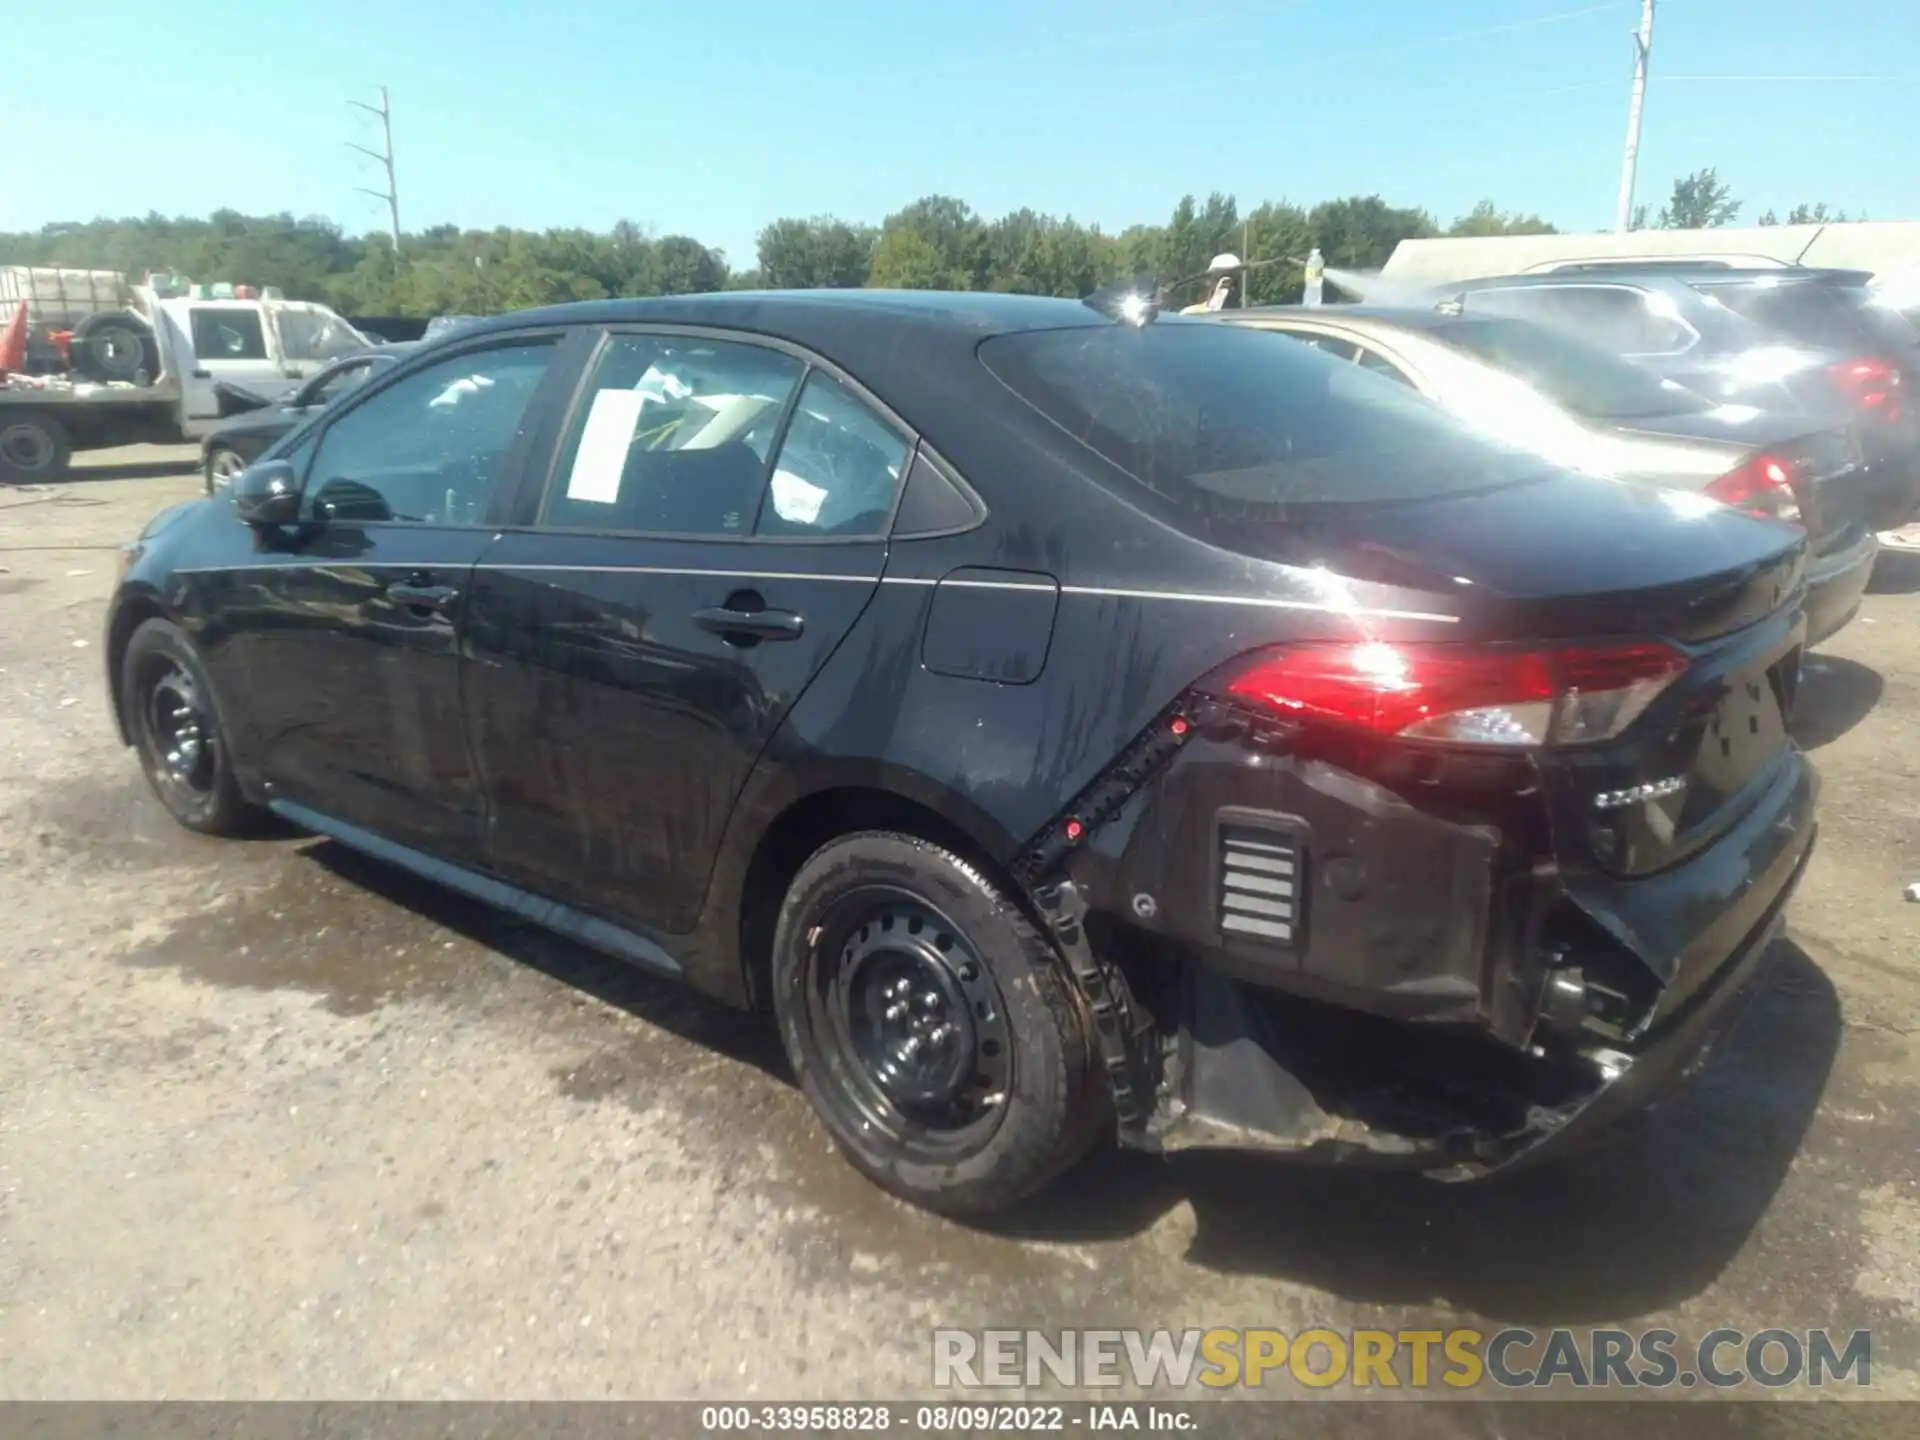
1788	337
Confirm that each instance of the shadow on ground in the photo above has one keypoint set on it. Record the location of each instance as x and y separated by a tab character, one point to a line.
1836	694
134	470
1637	1226
671	1006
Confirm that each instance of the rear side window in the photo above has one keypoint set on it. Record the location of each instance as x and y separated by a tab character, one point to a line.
1585	379
840	465
1614	317
1831	317
1234	423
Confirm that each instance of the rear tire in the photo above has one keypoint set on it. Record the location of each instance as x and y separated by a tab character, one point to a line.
34	447
167	704
114	345
932	1027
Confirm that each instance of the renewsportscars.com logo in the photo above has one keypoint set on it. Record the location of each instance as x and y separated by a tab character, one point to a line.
1458	1359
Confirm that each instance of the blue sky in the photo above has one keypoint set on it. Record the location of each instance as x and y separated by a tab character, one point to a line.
711	120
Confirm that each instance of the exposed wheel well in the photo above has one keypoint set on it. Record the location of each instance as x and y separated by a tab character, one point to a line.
803	828
131	616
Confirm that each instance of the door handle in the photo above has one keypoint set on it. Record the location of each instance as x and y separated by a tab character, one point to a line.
203	374
422	598
735	625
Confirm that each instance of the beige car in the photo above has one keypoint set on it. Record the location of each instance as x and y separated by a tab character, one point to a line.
1584	408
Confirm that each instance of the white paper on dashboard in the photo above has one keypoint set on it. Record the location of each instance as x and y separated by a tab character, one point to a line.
602	457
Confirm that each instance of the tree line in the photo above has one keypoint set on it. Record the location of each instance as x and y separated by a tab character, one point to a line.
936	243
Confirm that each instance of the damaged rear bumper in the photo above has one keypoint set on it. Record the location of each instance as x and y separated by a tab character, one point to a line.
1402	1009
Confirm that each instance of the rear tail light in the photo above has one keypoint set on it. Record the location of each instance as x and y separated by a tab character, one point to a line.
1464	695
1760	486
1872	385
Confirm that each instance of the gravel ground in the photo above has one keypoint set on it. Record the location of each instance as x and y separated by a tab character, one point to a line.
275	1122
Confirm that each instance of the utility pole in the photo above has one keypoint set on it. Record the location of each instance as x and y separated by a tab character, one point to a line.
1642	47
385	156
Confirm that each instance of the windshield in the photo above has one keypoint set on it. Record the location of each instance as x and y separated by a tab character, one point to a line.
1238	424
1583	378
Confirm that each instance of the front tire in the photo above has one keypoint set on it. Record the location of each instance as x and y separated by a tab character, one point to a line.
222	464
931	1026
168	707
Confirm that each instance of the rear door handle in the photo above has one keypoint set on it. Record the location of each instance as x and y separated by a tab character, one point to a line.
731	624
422	597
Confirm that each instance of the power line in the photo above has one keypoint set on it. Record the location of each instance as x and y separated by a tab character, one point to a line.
1778	79
385	156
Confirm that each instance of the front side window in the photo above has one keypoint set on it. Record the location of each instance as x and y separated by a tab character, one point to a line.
331	387
429	447
673	437
839	468
227	334
1613	317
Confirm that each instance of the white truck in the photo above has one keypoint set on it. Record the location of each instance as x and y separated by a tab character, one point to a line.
177	344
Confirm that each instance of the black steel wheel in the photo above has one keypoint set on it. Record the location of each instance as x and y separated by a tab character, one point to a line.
931	1025
914	1020
175	727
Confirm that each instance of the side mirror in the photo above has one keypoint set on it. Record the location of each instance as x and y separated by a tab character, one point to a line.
267	494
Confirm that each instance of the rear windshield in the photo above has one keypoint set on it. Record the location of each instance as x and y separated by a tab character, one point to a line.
1830	316
1235	423
1581	377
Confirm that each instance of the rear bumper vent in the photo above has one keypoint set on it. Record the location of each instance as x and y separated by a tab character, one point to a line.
1259	869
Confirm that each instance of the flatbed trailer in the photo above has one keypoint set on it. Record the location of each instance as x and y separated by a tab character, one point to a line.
201	342
43	425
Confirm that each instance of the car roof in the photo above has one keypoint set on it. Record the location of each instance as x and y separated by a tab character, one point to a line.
1679	270
819	318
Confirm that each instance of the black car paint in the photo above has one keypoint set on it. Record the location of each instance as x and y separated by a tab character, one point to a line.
555	733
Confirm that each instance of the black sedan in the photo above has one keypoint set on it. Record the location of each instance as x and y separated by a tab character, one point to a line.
1067	722
238	442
